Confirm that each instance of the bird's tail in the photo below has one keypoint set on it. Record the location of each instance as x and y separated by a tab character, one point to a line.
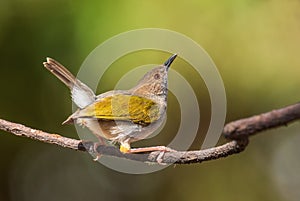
82	95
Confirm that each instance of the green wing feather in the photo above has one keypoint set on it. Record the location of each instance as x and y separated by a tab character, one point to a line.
123	107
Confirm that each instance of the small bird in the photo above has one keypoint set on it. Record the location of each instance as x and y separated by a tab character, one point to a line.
122	116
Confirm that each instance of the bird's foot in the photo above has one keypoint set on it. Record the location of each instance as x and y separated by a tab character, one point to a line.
101	142
159	158
98	156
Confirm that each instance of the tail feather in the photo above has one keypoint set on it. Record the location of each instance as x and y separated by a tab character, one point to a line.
60	72
82	95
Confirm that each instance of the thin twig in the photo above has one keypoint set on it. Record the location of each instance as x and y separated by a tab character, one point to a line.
237	131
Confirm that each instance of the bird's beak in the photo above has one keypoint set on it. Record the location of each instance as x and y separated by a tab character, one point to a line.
170	60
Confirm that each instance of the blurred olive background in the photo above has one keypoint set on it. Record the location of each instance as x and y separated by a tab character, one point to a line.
254	43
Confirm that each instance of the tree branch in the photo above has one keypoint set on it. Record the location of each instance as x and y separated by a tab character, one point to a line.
249	126
236	131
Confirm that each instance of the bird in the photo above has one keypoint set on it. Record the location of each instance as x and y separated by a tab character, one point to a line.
119	116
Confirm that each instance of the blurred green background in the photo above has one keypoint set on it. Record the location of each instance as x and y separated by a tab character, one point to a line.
254	43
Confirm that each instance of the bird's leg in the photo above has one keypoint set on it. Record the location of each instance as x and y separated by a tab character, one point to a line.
159	158
150	149
125	148
101	141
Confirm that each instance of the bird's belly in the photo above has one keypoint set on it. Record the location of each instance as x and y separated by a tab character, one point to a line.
121	130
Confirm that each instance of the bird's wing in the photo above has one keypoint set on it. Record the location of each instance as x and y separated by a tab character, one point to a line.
122	107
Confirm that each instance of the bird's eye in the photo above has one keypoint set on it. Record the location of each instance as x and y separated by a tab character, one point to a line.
156	76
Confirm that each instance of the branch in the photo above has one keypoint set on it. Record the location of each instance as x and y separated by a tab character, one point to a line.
237	131
249	126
